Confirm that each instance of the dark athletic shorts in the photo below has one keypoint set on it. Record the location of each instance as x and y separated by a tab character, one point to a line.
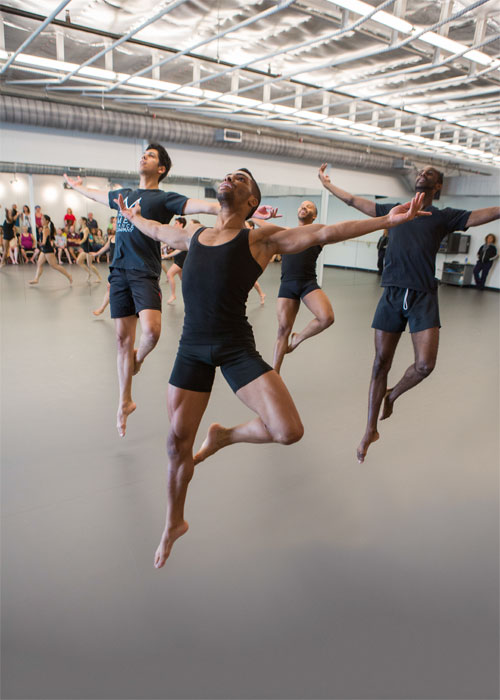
397	306
297	289
132	291
194	367
8	235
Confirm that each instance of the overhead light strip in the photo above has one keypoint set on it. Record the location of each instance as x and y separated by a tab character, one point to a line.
404	27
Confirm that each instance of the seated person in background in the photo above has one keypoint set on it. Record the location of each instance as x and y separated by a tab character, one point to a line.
486	254
98	243
92	224
28	245
111	226
62	245
69	218
14	247
73	239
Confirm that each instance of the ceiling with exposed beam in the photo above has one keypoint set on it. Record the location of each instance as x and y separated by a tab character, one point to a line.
421	75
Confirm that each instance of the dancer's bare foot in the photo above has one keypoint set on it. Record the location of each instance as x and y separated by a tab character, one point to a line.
124	410
167	540
293	343
262	298
387	406
137	365
33	282
216	438
171	300
70	280
369	437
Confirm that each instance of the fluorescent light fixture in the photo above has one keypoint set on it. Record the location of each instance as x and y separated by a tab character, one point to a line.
239	101
479	57
442	42
311	116
385	18
393	22
414	137
391	133
361	126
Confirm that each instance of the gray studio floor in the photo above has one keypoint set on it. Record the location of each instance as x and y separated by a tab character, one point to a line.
304	574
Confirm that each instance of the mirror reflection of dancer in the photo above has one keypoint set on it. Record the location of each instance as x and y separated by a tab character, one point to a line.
410	291
84	256
108	247
216	331
136	267
47	251
299	283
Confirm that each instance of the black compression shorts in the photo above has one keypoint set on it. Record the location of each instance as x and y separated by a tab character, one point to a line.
132	291
194	367
399	306
297	289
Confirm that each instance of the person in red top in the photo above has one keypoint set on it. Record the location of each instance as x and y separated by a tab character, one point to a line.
69	217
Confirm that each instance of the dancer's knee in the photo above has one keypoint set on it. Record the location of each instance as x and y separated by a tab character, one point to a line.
288	433
326	320
425	367
284	330
381	365
179	446
151	334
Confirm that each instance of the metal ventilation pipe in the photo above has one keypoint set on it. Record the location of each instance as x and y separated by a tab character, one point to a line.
21	110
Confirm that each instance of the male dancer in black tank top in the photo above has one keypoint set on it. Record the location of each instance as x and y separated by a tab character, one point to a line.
217	333
299	283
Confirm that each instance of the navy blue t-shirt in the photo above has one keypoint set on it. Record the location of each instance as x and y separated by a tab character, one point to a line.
410	258
134	250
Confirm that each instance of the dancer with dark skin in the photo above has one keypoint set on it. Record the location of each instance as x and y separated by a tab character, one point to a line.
299	283
215	319
136	268
410	291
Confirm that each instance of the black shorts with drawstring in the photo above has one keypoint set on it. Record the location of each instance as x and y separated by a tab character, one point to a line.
399	306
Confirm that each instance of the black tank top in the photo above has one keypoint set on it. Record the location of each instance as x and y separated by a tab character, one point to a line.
300	266
111	250
216	281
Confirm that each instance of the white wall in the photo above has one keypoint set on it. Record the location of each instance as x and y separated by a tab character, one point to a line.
41	146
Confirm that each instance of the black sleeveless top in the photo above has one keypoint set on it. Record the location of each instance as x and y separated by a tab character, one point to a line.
216	281
111	251
300	266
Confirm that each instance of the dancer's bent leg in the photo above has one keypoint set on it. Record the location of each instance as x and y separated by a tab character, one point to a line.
185	410
125	338
150	334
278	419
51	259
39	269
318	304
385	347
425	346
287	310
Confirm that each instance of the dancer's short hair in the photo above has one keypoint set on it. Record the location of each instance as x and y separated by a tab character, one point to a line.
163	158
181	220
255	191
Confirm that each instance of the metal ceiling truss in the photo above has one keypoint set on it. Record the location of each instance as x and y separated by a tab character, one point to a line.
378	93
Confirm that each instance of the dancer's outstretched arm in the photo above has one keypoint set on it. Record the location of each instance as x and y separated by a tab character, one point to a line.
174	236
77	185
294	240
360	203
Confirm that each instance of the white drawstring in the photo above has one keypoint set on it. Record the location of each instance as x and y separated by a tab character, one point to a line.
405	301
